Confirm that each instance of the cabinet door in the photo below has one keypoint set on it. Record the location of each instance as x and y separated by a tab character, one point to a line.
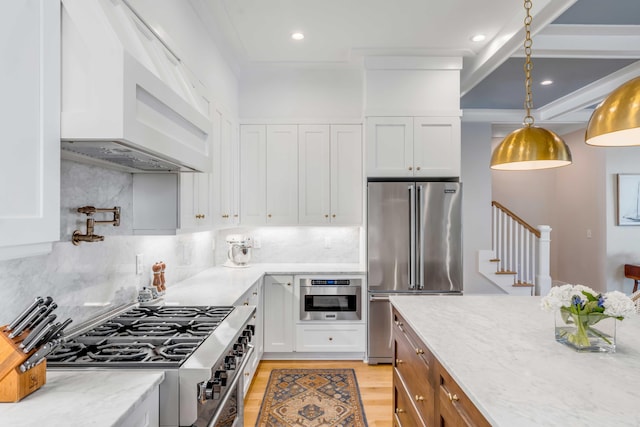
282	174
226	211
30	108
195	210
253	186
347	179
436	147
278	314
390	147
314	181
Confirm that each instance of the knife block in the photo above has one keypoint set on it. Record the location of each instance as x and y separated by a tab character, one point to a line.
14	385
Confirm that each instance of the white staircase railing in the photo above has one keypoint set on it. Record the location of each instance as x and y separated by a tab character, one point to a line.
521	249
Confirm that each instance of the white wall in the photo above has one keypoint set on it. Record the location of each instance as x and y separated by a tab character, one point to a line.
579	207
295	95
476	204
623	242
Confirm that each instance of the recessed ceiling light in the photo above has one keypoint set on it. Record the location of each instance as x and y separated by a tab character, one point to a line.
478	38
546	82
297	36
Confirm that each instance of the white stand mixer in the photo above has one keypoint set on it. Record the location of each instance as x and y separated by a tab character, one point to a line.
239	252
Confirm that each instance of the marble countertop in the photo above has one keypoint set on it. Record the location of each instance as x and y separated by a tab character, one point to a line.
82	398
224	286
502	352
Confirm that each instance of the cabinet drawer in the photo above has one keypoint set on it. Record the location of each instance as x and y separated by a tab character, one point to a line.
415	369
404	412
454	407
320	338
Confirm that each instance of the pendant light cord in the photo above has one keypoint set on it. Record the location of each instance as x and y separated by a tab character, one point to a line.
528	64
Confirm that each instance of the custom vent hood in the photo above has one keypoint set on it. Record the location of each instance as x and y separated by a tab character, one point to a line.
128	101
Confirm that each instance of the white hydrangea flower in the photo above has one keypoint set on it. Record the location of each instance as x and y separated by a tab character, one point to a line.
578	289
558	296
617	304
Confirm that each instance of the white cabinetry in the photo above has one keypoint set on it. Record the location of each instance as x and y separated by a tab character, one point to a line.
269	167
413	147
330	337
30	111
278	313
195	201
330	174
227	169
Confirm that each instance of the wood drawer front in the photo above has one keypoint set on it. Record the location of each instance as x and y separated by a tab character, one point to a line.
416	343
415	373
454	407
404	412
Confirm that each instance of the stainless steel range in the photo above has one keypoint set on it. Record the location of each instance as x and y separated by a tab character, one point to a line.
202	351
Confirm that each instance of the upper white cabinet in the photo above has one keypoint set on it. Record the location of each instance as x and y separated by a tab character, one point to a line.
227	169
195	201
330	175
30	108
269	170
413	147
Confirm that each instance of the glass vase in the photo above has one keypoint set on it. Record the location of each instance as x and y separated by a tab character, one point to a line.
587	333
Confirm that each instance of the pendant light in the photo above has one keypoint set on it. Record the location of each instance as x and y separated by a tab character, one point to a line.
530	147
616	121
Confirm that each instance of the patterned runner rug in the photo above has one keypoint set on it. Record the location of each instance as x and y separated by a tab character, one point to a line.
312	398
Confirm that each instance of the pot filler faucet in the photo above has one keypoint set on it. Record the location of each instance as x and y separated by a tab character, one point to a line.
89	211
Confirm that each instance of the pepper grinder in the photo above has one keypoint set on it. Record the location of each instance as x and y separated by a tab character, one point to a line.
157	281
162	282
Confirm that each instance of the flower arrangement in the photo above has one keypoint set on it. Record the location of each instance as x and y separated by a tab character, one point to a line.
580	308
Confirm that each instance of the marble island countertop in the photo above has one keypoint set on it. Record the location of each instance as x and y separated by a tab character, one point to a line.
224	285
82	398
502	352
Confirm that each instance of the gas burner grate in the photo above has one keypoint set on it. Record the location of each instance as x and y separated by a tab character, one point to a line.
153	329
106	329
67	352
115	352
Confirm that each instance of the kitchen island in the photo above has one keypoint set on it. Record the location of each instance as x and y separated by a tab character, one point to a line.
501	352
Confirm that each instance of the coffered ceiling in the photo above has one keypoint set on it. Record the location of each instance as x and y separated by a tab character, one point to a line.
586	47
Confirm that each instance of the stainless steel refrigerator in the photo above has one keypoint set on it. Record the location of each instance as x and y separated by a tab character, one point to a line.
414	246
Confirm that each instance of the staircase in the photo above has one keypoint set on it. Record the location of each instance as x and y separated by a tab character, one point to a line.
518	262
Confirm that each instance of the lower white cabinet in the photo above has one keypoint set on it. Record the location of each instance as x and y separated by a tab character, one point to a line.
278	314
146	413
330	337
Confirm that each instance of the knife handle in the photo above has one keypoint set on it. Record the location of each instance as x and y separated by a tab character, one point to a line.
25	313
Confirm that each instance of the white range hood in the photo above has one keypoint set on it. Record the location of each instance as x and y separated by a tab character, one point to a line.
127	99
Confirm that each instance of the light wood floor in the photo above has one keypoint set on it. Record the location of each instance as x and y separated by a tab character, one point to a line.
374	382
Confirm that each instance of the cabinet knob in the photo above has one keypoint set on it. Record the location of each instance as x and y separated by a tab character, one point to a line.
399	411
246	374
398	323
246	303
410	168
288	284
334	215
453	397
330	338
269	216
225	216
326	216
399	361
199	216
255	293
419	398
418	168
419	351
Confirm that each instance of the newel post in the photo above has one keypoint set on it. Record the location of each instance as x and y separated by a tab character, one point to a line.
543	278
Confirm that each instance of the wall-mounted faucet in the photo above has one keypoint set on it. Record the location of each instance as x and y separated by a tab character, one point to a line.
89	211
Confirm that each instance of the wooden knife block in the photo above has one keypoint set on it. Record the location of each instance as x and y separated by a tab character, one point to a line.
14	385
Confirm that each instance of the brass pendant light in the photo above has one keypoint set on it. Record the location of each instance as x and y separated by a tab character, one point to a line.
530	147
616	121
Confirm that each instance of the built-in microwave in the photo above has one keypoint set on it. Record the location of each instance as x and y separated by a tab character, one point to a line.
331	299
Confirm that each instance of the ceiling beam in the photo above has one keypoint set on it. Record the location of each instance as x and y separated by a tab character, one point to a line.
507	42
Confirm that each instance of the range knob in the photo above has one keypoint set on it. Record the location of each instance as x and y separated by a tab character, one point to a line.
220	377
209	390
230	362
251	328
248	334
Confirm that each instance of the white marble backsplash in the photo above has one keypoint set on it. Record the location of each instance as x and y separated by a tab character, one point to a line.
297	244
92	277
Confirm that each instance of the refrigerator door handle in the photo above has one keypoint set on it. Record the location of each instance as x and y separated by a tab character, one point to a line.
378	298
412	237
419	283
